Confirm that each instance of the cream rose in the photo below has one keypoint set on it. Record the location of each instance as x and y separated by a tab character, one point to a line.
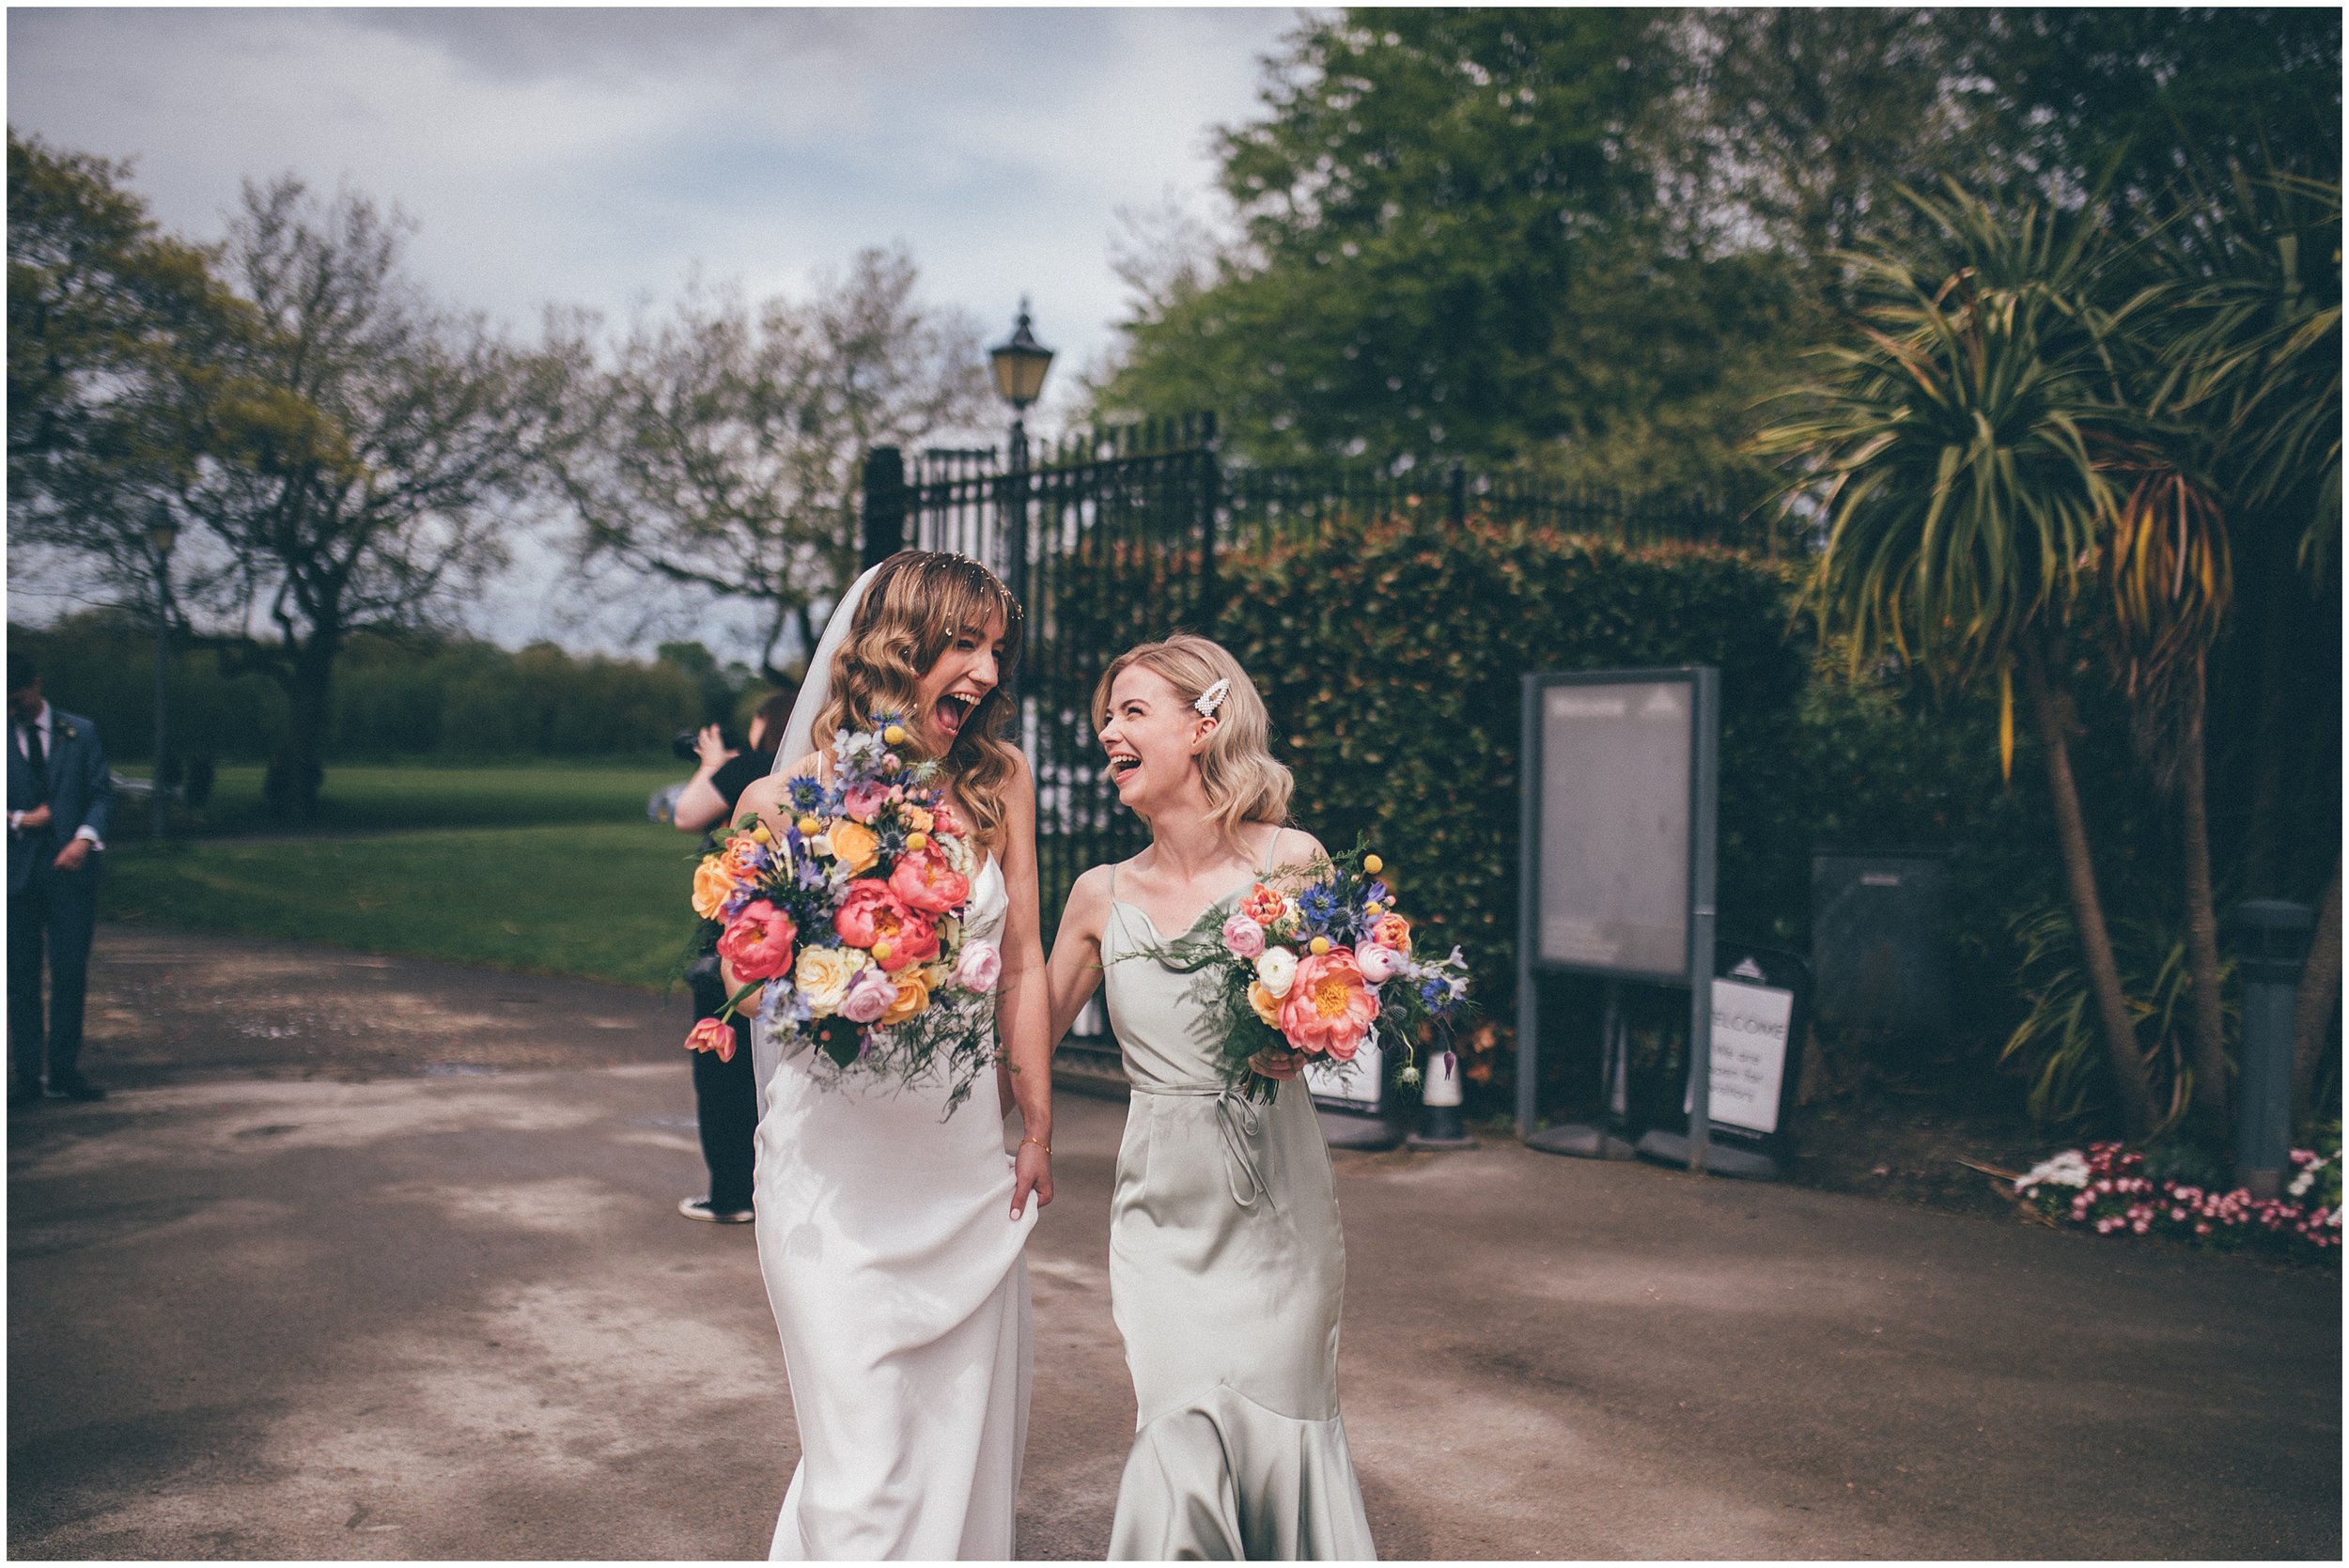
824	975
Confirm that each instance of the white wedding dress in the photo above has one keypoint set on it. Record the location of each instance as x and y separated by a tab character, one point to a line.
899	1280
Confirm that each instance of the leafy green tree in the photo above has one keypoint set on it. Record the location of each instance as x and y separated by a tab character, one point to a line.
1445	243
369	481
719	447
120	340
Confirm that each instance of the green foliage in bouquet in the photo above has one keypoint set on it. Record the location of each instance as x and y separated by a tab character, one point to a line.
1338	900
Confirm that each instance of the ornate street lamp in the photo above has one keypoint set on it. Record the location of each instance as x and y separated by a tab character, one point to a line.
1019	366
161	534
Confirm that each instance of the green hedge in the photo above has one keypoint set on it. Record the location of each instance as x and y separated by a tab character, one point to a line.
1390	655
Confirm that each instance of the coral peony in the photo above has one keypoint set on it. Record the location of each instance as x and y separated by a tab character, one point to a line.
871	915
1329	1007
925	882
1392	930
758	943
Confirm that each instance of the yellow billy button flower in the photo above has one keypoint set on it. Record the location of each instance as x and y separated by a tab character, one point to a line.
1374	909
807	825
1373	864
763	834
1320	945
894	735
882	950
916	843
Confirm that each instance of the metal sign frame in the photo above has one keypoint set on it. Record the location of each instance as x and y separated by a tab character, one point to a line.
1703	684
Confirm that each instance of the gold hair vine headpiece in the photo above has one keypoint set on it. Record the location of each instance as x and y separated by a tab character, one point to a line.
1212	698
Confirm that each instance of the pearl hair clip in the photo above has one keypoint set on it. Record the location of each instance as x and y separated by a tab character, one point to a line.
1212	698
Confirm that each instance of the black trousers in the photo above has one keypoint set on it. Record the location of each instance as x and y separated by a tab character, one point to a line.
54	918
726	1095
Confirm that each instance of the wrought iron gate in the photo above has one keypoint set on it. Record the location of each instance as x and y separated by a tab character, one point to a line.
1112	538
1107	542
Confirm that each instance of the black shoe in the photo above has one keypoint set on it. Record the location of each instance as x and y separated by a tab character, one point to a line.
74	1086
699	1208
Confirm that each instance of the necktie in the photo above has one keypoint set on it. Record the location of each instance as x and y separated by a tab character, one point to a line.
37	756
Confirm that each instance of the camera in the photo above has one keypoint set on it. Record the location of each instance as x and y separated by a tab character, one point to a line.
686	746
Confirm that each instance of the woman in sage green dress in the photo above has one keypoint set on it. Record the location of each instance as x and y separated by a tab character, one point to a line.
1227	1265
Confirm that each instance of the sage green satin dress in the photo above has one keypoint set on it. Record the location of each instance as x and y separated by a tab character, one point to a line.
1227	1271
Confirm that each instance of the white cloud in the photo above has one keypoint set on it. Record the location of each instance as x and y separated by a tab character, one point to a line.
595	156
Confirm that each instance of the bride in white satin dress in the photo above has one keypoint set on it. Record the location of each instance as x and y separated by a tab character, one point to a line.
891	1232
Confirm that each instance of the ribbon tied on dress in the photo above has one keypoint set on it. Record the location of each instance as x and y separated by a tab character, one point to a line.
1238	1121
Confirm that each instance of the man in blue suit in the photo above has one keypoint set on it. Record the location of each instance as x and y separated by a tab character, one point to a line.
61	799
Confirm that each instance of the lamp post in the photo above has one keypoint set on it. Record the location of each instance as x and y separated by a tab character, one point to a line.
161	532
1019	365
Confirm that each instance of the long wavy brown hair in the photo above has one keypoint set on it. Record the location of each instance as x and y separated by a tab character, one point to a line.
913	607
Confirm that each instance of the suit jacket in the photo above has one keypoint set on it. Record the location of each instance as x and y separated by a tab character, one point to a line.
81	792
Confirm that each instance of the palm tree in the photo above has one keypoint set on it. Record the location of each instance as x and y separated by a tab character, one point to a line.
1965	448
2244	351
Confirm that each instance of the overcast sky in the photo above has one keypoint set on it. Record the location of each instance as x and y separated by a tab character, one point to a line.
593	157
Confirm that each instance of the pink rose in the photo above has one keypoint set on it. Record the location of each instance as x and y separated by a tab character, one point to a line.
863	801
1244	936
713	1034
1328	1008
925	882
758	943
869	997
978	969
1378	964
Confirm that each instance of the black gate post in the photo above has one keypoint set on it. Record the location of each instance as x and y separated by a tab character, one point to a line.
1211	502
884	518
1459	496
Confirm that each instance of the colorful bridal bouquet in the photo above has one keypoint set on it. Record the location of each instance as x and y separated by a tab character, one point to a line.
849	927
1319	972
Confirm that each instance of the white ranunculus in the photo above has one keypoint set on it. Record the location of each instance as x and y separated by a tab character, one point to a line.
1276	968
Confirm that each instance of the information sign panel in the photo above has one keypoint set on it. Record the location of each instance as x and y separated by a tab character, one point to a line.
1617	858
1615	826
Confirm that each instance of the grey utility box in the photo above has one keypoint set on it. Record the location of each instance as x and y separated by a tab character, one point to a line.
1879	959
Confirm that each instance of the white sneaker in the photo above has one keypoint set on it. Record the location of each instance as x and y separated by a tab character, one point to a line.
699	1208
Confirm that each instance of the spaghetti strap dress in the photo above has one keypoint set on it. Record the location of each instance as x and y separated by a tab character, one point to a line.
1227	1273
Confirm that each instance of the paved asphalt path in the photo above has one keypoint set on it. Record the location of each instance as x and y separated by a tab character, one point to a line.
376	1258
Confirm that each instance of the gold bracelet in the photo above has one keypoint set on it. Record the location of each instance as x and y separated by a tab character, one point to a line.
1039	1143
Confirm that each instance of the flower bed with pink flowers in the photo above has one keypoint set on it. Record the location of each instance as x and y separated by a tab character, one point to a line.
2106	1188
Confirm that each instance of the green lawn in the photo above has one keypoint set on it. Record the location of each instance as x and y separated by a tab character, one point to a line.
605	900
363	797
545	868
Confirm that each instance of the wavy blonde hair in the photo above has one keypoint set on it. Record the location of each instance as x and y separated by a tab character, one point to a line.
1244	783
913	607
